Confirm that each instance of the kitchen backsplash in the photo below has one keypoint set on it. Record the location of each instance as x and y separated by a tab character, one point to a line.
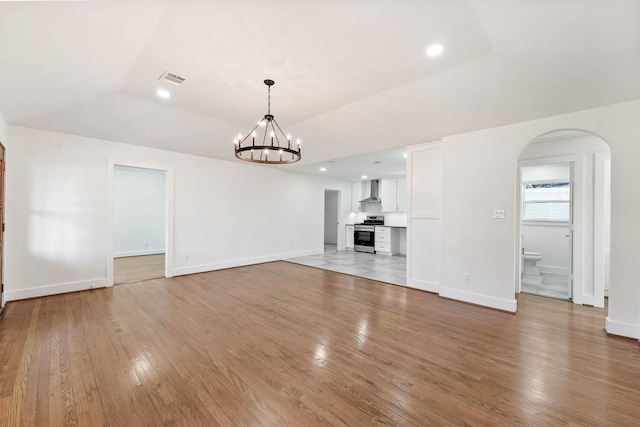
398	219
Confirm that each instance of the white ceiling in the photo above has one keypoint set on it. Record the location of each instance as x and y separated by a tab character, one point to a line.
351	75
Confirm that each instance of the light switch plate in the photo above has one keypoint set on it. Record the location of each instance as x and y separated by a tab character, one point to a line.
498	214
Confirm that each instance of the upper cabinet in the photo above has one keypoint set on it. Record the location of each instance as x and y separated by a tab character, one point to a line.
393	193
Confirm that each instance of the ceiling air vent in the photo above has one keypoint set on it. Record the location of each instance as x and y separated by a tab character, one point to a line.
171	78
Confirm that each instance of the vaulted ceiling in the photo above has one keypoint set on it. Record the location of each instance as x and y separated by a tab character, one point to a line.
351	75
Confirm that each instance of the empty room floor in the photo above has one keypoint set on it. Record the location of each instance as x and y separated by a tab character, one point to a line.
285	344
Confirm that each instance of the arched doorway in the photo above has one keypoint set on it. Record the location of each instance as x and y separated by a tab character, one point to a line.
563	223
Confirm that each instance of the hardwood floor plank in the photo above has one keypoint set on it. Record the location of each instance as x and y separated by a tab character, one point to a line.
137	268
285	344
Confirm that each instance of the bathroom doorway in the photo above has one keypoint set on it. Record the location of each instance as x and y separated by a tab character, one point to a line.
546	227
563	210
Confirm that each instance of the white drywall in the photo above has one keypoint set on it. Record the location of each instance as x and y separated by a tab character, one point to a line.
552	242
225	213
139	211
480	175
3	129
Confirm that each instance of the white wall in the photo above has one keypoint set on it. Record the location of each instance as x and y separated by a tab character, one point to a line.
331	217
225	213
551	241
3	130
139	211
480	175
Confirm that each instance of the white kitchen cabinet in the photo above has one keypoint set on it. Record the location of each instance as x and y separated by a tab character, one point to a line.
356	196
393	193
349	232
386	240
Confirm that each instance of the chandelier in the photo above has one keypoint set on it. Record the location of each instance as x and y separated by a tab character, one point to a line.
273	146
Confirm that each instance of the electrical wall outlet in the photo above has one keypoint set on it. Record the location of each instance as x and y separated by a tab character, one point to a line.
186	257
467	277
498	214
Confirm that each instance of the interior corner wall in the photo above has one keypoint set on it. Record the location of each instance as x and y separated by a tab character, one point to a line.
479	176
225	213
139	211
3	130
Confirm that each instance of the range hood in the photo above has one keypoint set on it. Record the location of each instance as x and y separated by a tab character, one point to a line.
373	193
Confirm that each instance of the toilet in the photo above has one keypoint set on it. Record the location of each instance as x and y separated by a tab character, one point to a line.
530	263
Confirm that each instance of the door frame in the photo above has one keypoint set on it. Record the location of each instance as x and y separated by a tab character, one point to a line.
577	243
111	164
3	162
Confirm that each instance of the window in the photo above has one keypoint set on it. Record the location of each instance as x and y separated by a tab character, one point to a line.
547	201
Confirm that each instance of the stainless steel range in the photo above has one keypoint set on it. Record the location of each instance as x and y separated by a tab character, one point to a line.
364	234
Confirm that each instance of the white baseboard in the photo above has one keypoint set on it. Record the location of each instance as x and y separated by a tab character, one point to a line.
138	253
242	262
622	329
42	291
497	303
423	285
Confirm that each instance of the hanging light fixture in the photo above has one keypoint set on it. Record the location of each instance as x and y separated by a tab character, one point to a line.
273	147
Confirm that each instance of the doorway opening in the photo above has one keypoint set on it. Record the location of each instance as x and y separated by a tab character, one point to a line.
563	228
140	223
546	227
331	219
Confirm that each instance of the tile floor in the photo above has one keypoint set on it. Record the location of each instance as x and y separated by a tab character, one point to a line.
548	285
385	268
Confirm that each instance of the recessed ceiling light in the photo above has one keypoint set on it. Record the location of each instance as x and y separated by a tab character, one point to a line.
323	169
163	93
435	50
364	176
404	155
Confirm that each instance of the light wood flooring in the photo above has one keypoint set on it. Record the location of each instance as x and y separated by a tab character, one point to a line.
282	344
137	268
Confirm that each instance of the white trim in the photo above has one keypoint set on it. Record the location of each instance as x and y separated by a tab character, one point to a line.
622	329
138	253
424	285
483	300
202	268
42	291
599	244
